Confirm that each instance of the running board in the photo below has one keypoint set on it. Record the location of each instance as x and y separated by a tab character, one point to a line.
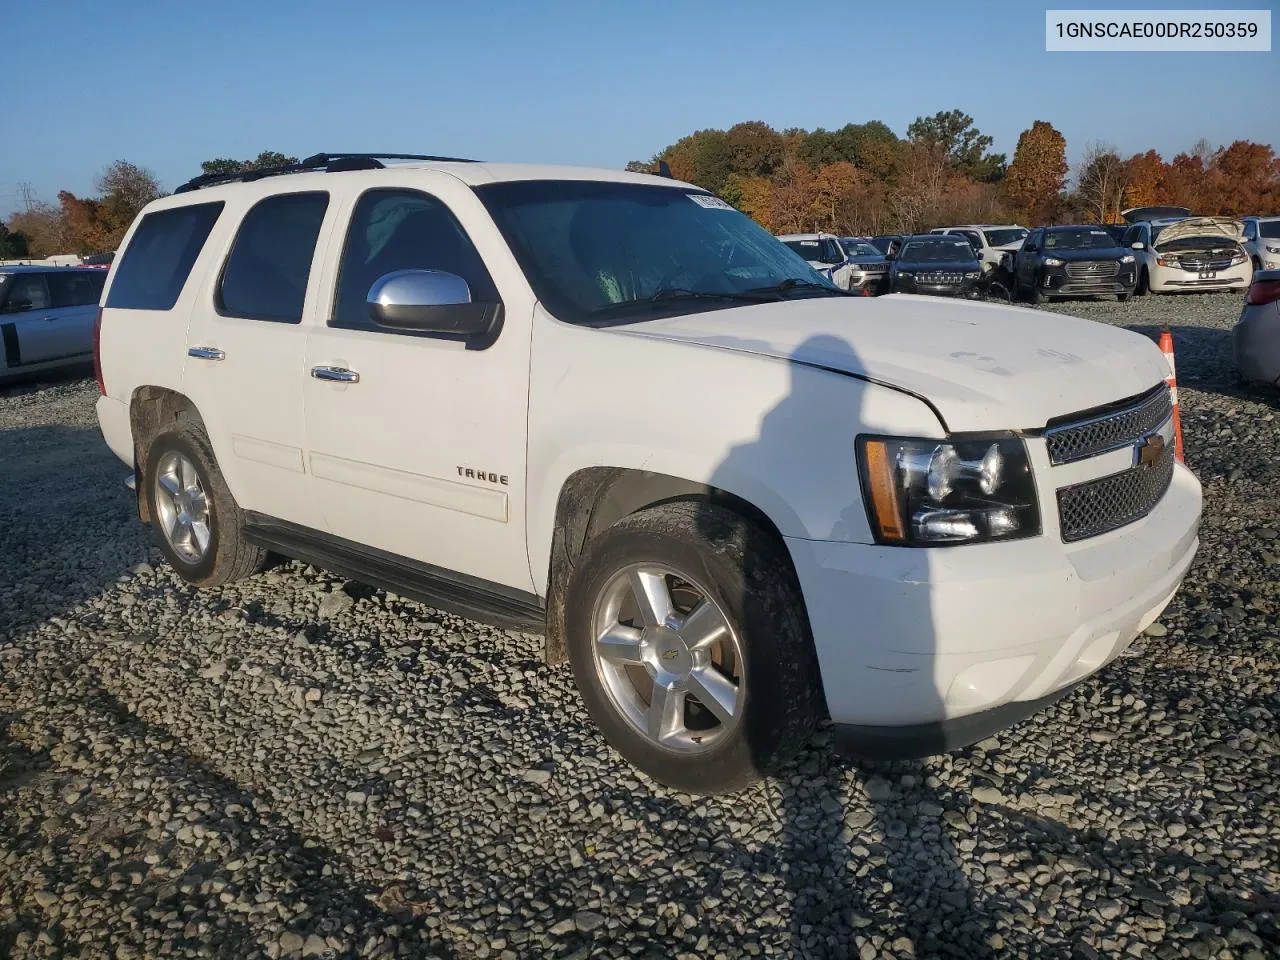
466	596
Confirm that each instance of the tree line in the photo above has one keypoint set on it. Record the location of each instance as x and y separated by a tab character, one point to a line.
860	179
865	179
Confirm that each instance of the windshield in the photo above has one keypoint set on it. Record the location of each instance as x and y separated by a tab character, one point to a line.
859	248
999	238
940	249
1084	238
595	250
1269	229
824	250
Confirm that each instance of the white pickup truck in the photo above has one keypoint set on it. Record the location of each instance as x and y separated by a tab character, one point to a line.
609	407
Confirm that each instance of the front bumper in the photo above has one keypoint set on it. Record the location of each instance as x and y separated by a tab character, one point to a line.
911	637
865	282
1055	282
1168	279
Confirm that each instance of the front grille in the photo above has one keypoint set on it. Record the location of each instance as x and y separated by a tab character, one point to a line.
1108	503
1092	269
1090	436
939	278
1204	263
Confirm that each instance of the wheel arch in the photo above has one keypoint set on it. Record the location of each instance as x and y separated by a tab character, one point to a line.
593	498
153	409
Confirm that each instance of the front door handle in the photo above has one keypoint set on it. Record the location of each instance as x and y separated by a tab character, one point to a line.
205	353
335	374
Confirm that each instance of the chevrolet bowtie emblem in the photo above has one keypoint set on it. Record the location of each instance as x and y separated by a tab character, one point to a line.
1150	449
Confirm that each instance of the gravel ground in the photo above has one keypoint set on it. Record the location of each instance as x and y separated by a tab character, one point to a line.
298	766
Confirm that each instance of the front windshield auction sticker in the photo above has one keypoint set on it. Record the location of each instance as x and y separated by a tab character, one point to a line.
708	201
1138	31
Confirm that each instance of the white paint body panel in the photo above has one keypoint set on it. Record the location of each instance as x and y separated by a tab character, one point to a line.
763	401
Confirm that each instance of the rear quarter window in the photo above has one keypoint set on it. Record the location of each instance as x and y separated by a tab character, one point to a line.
155	266
78	288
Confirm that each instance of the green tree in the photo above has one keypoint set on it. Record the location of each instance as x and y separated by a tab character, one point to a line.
757	148
270	158
965	145
221	165
13	245
704	158
125	189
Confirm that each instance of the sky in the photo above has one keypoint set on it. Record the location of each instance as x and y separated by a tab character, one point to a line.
168	85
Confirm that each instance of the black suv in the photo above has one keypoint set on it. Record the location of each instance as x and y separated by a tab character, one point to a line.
1073	261
937	264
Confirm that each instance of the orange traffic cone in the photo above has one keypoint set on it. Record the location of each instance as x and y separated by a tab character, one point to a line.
1166	347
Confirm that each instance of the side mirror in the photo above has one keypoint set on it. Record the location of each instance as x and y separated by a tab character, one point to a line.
1138	245
430	301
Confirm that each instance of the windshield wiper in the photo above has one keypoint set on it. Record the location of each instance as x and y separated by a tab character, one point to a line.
795	283
676	294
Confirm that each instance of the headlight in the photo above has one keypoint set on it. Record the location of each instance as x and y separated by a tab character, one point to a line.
928	492
1271	249
1167	261
1127	258
1053	262
972	273
906	276
1239	258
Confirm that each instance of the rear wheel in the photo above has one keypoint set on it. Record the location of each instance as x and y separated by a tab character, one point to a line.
199	526
689	643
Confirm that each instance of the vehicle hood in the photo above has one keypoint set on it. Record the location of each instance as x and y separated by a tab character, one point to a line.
946	266
982	366
1216	227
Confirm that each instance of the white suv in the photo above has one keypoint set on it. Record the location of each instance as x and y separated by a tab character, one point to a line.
991	241
610	407
1262	242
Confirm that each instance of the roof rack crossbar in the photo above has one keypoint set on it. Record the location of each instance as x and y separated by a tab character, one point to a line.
329	162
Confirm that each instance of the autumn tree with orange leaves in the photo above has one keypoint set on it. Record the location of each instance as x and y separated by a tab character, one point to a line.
1038	172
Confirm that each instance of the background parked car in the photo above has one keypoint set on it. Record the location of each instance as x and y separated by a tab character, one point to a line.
1072	261
989	240
1137	214
1257	333
888	243
1262	242
1192	253
824	254
938	265
46	317
868	266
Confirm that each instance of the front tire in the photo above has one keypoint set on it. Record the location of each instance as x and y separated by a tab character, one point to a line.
1144	284
690	646
1036	294
198	525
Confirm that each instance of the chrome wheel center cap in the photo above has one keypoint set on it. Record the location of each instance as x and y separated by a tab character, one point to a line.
667	652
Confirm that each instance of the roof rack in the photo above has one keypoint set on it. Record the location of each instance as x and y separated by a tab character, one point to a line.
327	162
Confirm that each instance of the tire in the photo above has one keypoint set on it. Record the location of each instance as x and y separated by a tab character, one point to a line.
1144	284
1123	297
226	554
1036	295
731	568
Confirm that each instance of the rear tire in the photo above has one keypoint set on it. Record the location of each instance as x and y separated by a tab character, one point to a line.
198	524
708	562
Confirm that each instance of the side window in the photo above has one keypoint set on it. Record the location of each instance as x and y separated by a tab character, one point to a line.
265	276
27	292
975	241
394	230
1251	230
1032	242
76	288
159	258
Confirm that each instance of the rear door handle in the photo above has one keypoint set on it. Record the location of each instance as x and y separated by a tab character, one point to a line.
205	353
335	374
47	319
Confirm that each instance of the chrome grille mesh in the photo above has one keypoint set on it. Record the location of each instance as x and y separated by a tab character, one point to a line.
939	277
1109	431
1092	269
1108	503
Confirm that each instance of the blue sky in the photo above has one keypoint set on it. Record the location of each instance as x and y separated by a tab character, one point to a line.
168	85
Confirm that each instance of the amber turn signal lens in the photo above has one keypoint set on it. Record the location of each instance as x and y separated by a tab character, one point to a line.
884	492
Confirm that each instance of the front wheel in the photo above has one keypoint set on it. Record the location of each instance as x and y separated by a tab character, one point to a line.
1144	284
1122	297
690	646
1036	294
